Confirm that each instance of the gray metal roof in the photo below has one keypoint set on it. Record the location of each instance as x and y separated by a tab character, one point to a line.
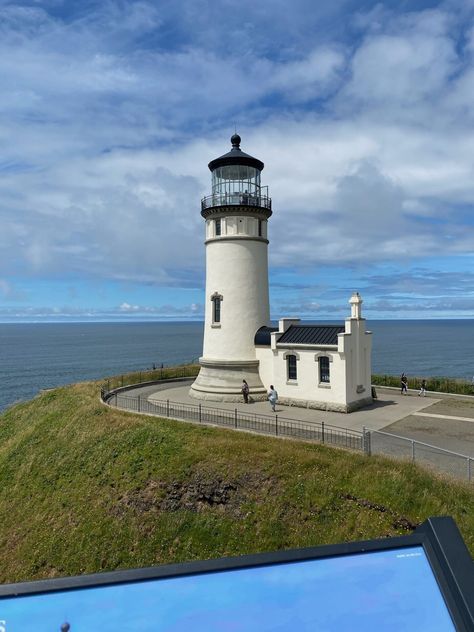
262	337
311	334
236	157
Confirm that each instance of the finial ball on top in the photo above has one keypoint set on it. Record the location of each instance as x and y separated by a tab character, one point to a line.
235	140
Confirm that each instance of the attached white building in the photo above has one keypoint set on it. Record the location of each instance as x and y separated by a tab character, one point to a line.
316	366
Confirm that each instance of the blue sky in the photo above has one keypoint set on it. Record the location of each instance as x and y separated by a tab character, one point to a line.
111	110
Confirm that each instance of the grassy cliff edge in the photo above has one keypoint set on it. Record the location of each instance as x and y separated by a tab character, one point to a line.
86	488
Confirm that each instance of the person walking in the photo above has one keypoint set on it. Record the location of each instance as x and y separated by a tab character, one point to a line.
245	391
272	397
404	384
422	389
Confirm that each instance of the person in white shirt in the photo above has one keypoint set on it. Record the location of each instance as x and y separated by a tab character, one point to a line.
272	397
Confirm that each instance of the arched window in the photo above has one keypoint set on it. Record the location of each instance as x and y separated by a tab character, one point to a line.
291	371
324	360
324	369
216	308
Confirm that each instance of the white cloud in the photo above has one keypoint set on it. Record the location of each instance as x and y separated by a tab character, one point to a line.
310	77
125	311
110	119
9	292
126	307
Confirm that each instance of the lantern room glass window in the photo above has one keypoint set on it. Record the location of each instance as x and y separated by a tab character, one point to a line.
233	179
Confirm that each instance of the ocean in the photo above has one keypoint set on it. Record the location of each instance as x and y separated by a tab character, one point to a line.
45	355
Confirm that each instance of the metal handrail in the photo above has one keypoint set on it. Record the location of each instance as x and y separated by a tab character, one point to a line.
263	416
426	445
271	424
244	420
236	199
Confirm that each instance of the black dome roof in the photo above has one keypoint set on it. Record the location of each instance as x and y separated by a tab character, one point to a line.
236	157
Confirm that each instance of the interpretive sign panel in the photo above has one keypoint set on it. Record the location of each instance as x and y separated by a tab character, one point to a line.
394	584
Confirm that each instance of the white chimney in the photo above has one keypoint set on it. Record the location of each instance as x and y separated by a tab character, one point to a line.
356	306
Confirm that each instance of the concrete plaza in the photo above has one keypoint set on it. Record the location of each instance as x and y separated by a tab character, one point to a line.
446	422
386	410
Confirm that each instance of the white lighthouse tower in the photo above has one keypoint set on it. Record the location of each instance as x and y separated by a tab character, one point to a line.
237	301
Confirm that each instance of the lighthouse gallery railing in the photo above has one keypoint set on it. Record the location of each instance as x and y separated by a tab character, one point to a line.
236	199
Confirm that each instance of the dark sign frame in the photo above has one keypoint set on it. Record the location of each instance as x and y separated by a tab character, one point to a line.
444	547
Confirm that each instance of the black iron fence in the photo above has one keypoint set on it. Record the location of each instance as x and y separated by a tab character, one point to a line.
275	425
368	441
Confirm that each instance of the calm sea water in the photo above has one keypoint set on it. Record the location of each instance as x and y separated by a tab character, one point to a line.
36	356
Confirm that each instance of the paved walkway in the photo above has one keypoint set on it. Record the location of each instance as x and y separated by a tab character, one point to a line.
388	409
445	422
434	416
434	421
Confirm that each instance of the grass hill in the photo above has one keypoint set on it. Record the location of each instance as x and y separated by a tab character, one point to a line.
85	488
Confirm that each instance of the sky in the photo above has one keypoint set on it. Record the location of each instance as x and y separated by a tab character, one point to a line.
111	110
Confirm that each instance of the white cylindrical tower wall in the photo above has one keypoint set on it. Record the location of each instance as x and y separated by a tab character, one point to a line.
237	271
236	295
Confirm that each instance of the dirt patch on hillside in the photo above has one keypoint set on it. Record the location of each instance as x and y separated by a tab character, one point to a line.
200	492
398	522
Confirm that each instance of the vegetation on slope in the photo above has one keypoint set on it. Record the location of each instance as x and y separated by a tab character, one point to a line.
434	384
85	488
152	375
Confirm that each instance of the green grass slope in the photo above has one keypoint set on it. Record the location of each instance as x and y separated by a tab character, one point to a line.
85	488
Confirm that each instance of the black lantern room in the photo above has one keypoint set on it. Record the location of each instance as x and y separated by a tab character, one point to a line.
236	181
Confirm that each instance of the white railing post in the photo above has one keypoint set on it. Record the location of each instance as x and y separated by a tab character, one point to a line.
366	441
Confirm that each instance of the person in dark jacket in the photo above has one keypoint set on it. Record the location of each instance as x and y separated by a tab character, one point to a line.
245	391
404	384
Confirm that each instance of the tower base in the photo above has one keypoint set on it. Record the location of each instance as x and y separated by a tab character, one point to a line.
221	381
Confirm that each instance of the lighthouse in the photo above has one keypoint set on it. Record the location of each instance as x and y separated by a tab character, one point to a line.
236	215
325	367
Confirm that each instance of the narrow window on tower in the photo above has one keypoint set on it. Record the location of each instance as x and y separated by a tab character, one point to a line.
218	227
260	228
291	367
216	308
324	369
